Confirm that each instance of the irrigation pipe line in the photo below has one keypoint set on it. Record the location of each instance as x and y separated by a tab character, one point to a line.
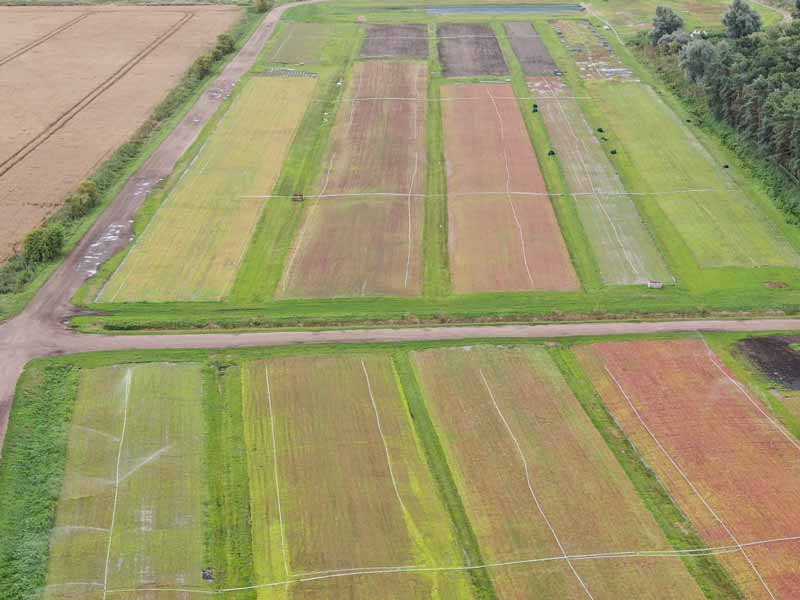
465	194
693	552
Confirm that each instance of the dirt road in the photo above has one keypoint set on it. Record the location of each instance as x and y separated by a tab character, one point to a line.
39	331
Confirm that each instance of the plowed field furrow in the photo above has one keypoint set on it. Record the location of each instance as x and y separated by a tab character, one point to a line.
727	462
533	55
527	461
470	49
503	232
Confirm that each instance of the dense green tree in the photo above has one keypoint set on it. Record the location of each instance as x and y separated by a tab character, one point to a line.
43	244
741	20
695	58
667	21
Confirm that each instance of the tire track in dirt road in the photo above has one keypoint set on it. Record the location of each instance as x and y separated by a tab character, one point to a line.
38	42
19	155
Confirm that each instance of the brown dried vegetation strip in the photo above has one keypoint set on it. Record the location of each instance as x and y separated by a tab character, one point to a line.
533	55
367	238
403	41
504	234
354	488
466	50
71	100
724	460
515	436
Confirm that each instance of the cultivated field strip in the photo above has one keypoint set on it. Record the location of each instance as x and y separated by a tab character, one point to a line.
131	512
339	485
729	464
530	50
70	101
468	50
625	251
366	238
527	461
194	244
593	54
721	226
300	43
403	41
498	241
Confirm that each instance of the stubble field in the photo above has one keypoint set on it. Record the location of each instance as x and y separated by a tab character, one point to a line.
76	83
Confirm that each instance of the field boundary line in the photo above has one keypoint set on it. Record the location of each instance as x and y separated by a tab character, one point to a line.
61	121
707	551
636	268
383	439
689	482
42	39
530	485
275	470
780	428
126	401
291	29
508	192
408	202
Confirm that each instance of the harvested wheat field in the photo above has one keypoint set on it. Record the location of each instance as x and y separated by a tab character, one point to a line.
467	50
527	460
131	511
363	236
533	55
339	483
729	465
195	242
77	84
626	252
396	41
503	232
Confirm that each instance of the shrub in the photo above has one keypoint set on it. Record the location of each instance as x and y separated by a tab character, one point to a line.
43	245
225	45
84	200
667	21
264	5
203	65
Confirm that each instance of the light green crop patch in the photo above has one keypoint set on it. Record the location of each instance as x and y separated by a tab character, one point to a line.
721	225
131	512
195	243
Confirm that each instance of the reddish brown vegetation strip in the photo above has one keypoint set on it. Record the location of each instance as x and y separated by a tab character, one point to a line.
533	55
503	231
63	108
466	50
728	466
367	238
379	132
407	41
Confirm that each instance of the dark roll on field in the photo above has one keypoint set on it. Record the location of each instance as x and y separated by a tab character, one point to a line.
467	50
404	41
530	50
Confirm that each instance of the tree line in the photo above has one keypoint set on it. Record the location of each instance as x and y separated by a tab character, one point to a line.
750	77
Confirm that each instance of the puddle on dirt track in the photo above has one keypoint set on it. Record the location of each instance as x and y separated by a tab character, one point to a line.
503	9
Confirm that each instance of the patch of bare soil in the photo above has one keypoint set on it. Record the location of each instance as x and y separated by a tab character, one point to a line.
775	358
533	55
467	50
396	41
